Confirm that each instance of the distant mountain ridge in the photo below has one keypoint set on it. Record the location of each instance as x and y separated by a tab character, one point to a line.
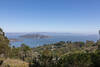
42	33
48	34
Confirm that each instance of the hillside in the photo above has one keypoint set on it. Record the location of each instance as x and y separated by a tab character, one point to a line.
60	54
14	63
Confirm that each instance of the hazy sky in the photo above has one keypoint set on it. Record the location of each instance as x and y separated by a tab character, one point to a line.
74	16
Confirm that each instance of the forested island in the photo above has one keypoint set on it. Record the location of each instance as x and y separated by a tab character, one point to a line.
60	54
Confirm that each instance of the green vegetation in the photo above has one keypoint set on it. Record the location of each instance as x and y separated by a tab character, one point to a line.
4	44
60	54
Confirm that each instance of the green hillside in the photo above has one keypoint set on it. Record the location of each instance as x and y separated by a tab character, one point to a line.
60	54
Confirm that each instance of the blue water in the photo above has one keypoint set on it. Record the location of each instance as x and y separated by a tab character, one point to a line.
55	38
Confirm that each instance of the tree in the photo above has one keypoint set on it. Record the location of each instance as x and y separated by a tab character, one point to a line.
24	51
4	44
76	60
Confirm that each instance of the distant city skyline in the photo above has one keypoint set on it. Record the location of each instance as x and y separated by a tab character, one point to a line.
68	16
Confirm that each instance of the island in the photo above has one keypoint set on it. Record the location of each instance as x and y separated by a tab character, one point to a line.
14	40
36	36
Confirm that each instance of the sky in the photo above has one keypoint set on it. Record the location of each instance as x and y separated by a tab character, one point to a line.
72	16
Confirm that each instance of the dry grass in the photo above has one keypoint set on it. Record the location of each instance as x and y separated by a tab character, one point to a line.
14	63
